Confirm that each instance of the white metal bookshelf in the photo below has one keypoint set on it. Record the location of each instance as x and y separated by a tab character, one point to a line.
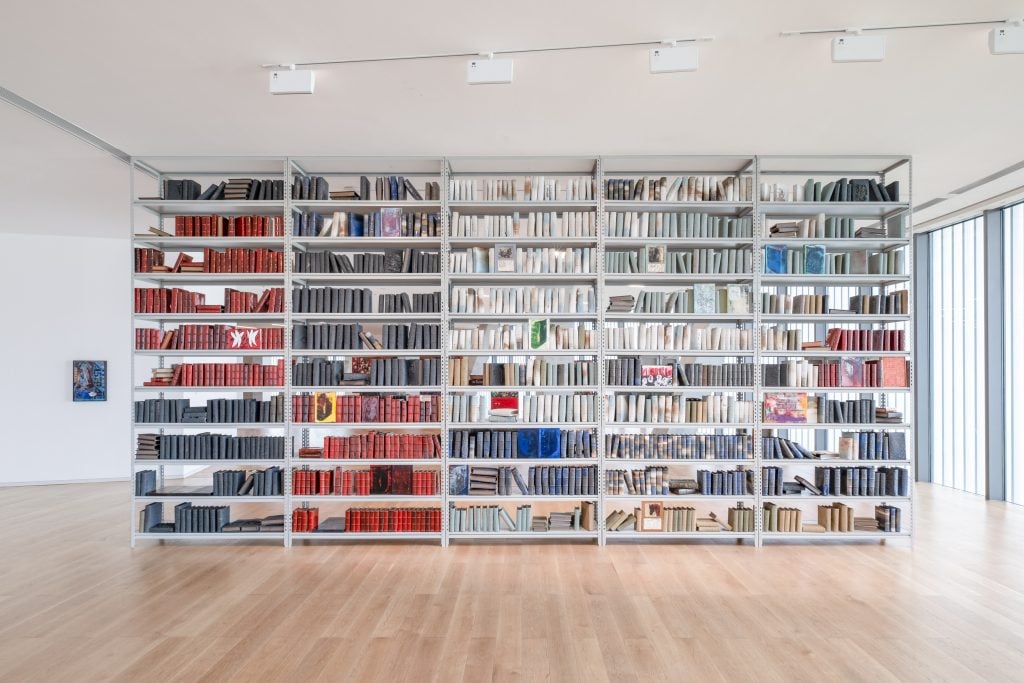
148	174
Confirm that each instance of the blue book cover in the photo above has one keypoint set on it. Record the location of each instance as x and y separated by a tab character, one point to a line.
814	259
355	225
775	259
528	442
458	476
549	442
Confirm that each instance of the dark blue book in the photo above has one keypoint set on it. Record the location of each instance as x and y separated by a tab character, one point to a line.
775	259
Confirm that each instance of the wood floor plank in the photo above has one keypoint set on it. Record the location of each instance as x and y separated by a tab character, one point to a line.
77	603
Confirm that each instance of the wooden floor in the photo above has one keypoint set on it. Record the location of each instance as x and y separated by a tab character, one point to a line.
76	603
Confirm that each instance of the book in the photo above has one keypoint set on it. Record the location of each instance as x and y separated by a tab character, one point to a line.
538	334
814	259
506	258
775	259
785	408
656	375
391	222
655	257
325	406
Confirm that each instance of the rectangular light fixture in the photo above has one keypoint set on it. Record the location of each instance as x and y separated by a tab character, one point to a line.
292	82
670	58
857	48
1006	40
480	71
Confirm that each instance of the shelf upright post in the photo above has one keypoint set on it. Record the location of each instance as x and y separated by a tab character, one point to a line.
757	228
289	444
132	516
445	339
909	413
599	337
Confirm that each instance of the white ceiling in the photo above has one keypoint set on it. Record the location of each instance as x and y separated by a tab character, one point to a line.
183	78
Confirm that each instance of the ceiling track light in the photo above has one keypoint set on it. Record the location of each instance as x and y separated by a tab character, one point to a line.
1007	38
484	68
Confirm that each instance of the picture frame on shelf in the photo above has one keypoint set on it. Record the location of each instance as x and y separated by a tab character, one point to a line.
505	255
651	516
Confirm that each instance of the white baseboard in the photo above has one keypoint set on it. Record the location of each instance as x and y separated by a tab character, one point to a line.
61	482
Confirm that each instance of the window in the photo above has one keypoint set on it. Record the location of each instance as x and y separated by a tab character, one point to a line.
958	356
1013	338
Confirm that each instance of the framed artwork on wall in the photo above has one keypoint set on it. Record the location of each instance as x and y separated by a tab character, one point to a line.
89	380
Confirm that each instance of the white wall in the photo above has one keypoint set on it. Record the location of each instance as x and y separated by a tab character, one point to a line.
65	297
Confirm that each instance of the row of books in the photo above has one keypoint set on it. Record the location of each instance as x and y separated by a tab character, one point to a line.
533	408
837	517
659	259
526	299
216	410
508	258
531	224
378	480
219	375
663	224
650	481
540	480
228	226
822	227
841	190
678	446
624	407
500	444
781	338
233	189
636	371
210	337
390	261
654	516
863	445
862	481
681	189
204	519
259	482
536	371
175	300
702	297
327	406
322	336
538	334
389	188
360	300
377	446
679	337
387	520
798	408
895	303
499	337
368	520
846	372
533	188
265	482
209	446
496	519
188	519
232	260
386	223
815	259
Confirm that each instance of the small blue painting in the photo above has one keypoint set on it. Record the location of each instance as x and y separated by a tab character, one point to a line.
89	380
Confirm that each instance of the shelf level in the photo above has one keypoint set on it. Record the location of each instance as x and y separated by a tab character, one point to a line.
170	207
839	209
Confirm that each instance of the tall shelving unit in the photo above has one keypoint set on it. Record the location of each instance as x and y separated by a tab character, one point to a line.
631	226
895	218
515	205
149	172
